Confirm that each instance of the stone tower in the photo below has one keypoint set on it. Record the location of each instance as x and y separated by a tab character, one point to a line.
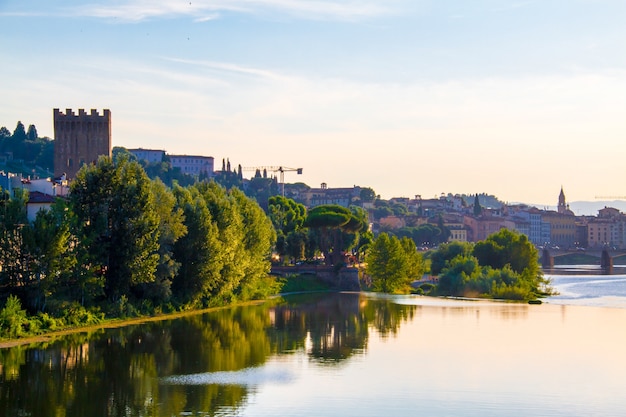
562	207
79	139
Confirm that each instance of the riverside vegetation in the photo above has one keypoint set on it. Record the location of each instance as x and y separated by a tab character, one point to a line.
124	245
504	266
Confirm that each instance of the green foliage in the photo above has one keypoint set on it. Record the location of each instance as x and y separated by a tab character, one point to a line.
48	245
335	229
505	265
30	152
445	253
367	195
459	271
478	210
258	240
225	254
171	228
13	319
118	223
288	219
424	234
127	245
507	247
198	251
13	220
393	264
302	283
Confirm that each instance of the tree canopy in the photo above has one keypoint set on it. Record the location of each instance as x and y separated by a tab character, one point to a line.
393	264
505	265
335	229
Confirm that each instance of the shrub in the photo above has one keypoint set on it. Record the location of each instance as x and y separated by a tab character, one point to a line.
13	320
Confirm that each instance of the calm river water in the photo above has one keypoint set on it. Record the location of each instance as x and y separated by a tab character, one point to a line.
342	355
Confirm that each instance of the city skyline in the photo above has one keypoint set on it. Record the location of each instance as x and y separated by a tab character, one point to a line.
510	98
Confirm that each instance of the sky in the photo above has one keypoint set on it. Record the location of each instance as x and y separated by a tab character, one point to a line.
409	97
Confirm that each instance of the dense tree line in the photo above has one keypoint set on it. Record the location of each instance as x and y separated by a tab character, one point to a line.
329	230
28	148
505	265
123	244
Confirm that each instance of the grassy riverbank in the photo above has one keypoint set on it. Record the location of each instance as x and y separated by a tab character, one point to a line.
42	328
112	323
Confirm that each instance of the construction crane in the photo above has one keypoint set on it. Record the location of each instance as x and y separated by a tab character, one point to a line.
276	169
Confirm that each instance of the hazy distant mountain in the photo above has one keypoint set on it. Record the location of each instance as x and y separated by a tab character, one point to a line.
589	208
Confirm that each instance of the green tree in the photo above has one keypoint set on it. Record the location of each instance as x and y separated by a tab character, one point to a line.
31	134
367	195
508	247
388	265
259	237
478	210
13	220
4	133
117	222
229	221
288	217
47	241
199	251
330	224
457	273
171	228
445	253
19	134
415	262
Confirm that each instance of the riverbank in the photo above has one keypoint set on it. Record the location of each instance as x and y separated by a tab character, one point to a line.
114	323
299	283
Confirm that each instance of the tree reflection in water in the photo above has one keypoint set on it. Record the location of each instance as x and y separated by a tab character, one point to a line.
118	372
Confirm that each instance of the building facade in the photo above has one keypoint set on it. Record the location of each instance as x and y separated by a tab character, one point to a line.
193	164
79	139
149	155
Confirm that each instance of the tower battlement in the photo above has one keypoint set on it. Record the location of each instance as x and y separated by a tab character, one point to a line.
80	139
69	113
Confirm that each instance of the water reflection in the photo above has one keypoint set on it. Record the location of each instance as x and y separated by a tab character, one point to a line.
197	364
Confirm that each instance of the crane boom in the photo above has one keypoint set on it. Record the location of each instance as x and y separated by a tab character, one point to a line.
279	169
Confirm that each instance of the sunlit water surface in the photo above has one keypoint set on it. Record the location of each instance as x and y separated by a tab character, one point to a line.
342	355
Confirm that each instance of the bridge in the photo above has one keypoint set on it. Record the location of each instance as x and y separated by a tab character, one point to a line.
345	278
603	256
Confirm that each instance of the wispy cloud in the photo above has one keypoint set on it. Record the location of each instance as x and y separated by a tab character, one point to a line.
232	68
514	5
203	10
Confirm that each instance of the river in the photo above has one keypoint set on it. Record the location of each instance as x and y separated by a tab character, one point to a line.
343	354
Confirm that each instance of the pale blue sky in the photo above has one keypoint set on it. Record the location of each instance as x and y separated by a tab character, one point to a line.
512	98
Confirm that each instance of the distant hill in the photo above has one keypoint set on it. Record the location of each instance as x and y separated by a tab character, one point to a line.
590	208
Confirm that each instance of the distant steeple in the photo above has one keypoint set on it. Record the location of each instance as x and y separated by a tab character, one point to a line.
562	207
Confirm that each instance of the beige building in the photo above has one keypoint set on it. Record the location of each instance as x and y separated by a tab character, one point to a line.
608	229
458	233
324	195
149	155
479	228
193	164
563	230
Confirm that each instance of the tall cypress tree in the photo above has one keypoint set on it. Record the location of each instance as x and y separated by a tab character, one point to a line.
478	210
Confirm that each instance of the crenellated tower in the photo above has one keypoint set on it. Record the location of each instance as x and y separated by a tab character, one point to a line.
79	139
